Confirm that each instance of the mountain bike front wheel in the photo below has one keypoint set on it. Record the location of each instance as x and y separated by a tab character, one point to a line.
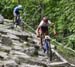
49	52
48	49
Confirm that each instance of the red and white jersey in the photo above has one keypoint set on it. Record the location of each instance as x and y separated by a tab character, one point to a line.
42	23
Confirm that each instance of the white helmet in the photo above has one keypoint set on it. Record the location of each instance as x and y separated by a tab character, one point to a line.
19	6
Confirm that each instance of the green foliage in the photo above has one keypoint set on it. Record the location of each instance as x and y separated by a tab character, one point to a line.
6	8
63	50
70	41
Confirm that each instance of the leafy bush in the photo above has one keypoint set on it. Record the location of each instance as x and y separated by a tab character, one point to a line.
6	8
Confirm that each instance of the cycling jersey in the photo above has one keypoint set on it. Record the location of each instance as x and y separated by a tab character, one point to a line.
42	23
16	11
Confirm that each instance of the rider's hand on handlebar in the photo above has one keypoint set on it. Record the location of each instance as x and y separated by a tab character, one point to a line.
55	33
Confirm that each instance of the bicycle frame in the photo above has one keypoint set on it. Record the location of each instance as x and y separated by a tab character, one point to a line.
47	47
19	22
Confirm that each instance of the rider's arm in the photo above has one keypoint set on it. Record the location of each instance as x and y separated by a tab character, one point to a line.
41	23
49	22
38	28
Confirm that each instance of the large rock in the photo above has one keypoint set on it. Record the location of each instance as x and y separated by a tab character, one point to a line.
1	63
17	43
10	63
19	56
5	49
3	55
32	40
14	37
22	35
17	48
1	19
7	20
6	40
3	31
31	51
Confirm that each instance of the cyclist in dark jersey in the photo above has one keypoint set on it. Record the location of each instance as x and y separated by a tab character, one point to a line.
16	13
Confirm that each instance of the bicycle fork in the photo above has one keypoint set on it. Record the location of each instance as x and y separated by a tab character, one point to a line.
47	48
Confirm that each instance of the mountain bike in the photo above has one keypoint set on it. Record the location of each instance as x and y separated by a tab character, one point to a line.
18	22
46	45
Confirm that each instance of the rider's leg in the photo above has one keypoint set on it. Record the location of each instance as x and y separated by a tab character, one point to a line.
14	22
41	36
43	30
17	19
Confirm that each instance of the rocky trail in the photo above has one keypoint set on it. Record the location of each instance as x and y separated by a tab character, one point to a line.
19	49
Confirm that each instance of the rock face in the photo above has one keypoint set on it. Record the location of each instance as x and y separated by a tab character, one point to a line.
1	19
16	48
6	40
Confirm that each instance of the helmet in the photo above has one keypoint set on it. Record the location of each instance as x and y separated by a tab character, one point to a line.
45	19
19	6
